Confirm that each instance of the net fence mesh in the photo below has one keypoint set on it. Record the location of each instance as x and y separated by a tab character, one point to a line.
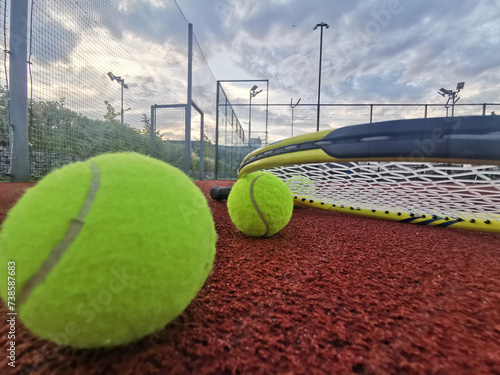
75	109
445	190
204	94
81	56
233	143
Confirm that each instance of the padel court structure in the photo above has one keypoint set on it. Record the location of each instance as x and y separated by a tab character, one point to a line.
389	265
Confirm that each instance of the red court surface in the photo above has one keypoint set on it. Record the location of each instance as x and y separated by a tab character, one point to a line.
329	294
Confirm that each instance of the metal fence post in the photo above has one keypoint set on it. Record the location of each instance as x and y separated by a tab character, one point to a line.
187	137
202	144
217	132
202	138
267	112
153	130
18	102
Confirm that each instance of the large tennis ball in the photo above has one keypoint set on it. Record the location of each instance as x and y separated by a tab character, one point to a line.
260	204
106	251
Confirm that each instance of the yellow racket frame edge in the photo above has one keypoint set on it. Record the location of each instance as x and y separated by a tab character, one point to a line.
403	217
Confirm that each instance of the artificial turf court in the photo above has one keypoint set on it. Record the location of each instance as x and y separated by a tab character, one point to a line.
330	294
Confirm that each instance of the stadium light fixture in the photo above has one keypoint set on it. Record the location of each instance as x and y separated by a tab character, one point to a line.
452	97
444	92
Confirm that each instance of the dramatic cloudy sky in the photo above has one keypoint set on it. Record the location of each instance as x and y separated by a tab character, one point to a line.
375	51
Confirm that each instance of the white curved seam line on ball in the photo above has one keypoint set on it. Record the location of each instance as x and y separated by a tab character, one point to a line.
59	250
257	207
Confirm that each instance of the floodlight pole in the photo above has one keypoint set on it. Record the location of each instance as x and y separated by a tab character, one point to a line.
253	93
122	83
121	117
292	106
454	101
250	118
320	25
454	94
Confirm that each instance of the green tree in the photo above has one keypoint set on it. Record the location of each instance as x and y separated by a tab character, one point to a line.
110	114
58	135
146	128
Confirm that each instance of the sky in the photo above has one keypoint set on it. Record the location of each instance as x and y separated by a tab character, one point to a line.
377	51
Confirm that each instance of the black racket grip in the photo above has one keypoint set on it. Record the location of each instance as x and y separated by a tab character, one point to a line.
220	192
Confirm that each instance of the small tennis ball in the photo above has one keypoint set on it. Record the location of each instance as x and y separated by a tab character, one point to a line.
260	204
106	251
301	186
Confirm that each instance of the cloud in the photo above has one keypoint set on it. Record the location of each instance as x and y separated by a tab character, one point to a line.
61	43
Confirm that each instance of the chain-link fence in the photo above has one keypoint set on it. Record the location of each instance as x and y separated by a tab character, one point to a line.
94	71
204	96
232	142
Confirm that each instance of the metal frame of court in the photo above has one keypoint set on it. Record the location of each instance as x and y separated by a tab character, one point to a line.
187	146
18	103
218	104
374	105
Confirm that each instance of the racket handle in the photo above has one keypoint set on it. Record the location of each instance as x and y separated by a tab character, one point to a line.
220	192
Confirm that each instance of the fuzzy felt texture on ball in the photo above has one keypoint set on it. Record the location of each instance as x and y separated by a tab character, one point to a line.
107	251
260	204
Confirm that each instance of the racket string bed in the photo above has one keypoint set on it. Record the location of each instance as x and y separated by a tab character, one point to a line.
468	192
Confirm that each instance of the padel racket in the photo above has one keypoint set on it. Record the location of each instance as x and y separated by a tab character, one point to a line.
436	171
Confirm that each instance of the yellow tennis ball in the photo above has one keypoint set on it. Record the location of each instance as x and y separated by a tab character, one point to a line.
260	204
107	251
